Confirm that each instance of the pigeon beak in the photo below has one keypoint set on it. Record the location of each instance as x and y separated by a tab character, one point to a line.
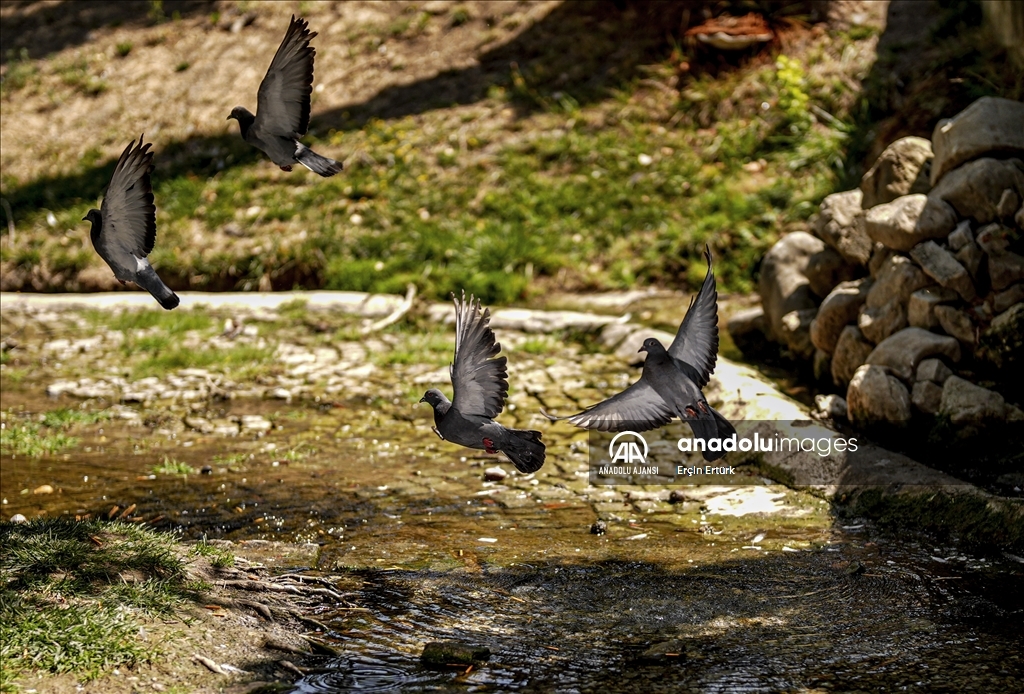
423	399
642	349
85	218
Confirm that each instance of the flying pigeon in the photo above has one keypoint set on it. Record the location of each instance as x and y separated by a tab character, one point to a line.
124	228
672	380
480	388
282	106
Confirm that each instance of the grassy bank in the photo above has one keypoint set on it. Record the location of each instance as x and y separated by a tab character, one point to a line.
530	187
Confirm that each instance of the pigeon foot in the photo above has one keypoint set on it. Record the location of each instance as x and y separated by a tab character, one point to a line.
489	446
286	168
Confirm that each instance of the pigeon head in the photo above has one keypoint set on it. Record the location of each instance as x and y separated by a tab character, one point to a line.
96	218
434	397
652	346
243	116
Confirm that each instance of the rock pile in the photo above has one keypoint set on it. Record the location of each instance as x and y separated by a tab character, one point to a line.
913	284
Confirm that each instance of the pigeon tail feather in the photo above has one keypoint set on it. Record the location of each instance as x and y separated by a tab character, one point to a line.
714	427
317	163
151	282
525	449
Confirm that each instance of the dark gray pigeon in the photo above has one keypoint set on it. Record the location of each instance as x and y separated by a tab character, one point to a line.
124	228
672	380
282	106
480	388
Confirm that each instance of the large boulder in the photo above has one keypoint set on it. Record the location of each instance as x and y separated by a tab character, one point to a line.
956	323
827	269
966	403
941	266
903	168
909	220
922	305
874	396
1004	269
879	322
1002	343
783	285
851	351
902	352
897	279
991	125
840	224
975	189
838	310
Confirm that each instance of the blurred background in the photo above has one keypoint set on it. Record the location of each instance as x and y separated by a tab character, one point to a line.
509	149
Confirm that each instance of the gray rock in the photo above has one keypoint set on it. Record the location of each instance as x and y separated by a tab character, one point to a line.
990	124
255	423
966	403
670	651
879	257
921	307
942	267
993	238
1000	301
851	351
926	396
903	351
840	224
908	220
827	269
613	334
933	370
783	285
961	236
879	323
747	330
1018	218
956	323
831	406
444	654
822	364
795	331
200	424
838	310
1003	341
1008	203
874	396
975	189
1004	269
970	257
903	168
897	279
495	474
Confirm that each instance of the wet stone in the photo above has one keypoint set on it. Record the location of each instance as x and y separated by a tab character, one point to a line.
597	528
665	652
453	653
255	423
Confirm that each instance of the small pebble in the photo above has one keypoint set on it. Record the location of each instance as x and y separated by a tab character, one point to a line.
18	518
206	470
599	528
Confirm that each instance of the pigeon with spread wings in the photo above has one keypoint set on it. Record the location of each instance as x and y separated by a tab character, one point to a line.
672	380
480	386
124	228
282	106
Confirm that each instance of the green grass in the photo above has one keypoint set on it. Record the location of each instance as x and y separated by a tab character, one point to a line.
33	440
171	466
66	417
66	601
241	362
218	557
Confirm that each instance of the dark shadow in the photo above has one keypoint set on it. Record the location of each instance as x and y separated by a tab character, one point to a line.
583	49
36	29
934	60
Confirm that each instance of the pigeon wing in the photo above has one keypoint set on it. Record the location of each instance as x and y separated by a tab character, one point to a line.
637	408
128	212
282	105
696	342
478	380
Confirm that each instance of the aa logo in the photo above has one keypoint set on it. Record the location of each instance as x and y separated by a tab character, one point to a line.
624	449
